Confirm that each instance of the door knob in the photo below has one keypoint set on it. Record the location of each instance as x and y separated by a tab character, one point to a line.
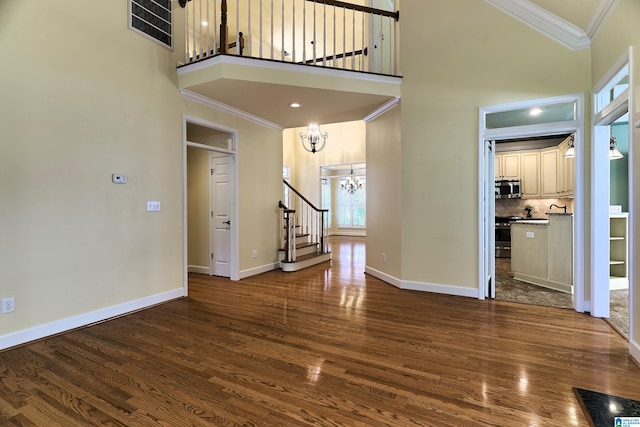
226	222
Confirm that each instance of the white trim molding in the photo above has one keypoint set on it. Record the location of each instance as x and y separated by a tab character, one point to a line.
258	270
85	319
545	22
199	269
600	16
192	96
422	286
634	350
382	109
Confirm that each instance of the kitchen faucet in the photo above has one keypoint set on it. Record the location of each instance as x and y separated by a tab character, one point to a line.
559	207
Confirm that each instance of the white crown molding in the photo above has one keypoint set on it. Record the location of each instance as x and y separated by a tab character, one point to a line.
192	96
545	22
600	16
381	110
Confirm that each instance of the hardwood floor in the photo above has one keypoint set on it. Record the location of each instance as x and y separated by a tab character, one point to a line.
323	346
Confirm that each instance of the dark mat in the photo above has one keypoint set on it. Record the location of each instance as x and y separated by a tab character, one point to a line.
603	409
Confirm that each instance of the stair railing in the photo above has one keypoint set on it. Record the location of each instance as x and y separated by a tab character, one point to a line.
301	217
288	233
325	33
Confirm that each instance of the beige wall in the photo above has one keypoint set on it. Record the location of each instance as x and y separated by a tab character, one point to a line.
345	144
453	63
620	32
83	99
384	199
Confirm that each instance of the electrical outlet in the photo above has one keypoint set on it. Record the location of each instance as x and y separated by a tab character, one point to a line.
7	305
153	206
254	253
384	257
118	178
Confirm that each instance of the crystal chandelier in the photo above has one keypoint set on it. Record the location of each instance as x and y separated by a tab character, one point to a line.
313	137
351	184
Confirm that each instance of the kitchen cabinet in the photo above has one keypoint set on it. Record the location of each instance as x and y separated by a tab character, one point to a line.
542	252
567	168
549	177
543	173
618	251
530	174
507	165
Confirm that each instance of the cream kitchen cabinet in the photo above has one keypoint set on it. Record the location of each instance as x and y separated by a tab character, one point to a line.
530	174
549	176
567	168
543	173
507	165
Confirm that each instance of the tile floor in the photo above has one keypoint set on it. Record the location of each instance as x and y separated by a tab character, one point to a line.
509	289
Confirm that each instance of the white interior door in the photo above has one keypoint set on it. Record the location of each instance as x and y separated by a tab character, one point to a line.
220	227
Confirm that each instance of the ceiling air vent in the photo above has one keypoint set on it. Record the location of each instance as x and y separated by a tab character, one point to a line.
153	19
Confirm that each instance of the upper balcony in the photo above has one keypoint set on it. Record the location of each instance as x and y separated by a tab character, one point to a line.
337	59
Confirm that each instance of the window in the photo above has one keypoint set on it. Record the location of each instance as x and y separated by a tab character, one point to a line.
153	19
616	87
286	174
352	207
326	199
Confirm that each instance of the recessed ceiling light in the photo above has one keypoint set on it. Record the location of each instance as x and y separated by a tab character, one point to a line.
295	105
204	23
535	112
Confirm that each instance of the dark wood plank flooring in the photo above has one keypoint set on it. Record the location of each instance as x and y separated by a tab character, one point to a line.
327	346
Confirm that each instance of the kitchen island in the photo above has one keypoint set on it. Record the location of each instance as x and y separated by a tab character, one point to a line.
542	252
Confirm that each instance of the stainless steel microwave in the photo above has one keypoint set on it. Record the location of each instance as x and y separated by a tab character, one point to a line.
508	189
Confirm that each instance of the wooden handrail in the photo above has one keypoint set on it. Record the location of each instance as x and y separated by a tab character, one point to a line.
285	208
395	15
303	198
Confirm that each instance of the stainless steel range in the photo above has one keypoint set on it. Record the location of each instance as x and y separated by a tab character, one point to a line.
503	235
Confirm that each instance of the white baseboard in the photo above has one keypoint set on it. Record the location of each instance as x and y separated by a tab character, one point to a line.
440	289
64	325
634	351
198	269
549	284
258	270
350	233
421	286
383	276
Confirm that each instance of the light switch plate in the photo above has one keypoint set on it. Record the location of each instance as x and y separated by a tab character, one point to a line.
153	206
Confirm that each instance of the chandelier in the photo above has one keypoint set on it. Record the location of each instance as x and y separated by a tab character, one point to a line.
311	140
351	184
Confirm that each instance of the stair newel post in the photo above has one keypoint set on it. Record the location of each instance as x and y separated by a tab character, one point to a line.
224	42
286	235
322	248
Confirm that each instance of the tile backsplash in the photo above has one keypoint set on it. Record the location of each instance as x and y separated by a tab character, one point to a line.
515	207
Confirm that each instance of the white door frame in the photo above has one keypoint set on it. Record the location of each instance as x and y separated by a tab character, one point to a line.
577	128
233	192
600	191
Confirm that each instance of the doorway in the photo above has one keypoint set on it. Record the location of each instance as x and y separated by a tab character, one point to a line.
539	119
210	199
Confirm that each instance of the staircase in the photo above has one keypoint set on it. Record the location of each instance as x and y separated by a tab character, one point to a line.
303	232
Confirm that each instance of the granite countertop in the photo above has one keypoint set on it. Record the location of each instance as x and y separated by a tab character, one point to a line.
539	222
560	214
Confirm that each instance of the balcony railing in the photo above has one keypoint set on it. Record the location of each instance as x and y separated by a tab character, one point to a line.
327	33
